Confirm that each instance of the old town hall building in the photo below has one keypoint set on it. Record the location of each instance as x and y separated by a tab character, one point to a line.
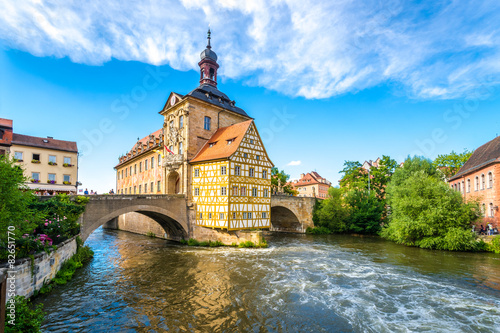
210	151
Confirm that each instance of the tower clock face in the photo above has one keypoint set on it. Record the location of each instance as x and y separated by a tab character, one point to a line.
173	100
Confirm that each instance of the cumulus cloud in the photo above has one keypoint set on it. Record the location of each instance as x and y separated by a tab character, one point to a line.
294	163
433	49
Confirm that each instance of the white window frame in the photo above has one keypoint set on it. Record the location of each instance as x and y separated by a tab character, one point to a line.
223	170
237	170
251	172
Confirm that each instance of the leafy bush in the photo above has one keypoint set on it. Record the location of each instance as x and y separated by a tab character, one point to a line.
193	242
494	246
426	212
150	234
318	231
28	318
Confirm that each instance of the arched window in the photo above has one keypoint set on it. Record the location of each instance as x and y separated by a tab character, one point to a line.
459	187
181	121
490	180
476	188
468	185
483	209
212	74
492	211
483	182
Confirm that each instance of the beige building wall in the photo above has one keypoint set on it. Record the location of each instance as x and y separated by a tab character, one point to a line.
193	136
133	177
44	168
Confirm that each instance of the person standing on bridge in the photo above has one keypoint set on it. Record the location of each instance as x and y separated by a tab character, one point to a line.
86	192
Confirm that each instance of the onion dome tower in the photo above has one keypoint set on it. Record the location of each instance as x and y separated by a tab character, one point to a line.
208	65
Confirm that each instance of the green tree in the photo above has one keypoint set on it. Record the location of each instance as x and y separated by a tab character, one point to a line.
356	177
451	163
332	212
15	199
425	212
365	212
283	177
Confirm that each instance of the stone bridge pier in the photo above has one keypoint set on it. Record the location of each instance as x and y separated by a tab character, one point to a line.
291	214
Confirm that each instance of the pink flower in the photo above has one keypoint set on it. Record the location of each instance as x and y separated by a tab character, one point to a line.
50	222
46	224
46	220
58	235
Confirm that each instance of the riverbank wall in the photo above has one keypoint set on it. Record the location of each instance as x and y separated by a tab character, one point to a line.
143	225
29	278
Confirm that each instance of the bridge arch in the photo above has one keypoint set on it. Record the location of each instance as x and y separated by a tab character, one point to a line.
169	213
291	214
283	219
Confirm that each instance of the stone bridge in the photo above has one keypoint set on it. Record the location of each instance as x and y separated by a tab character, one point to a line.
176	216
291	214
170	211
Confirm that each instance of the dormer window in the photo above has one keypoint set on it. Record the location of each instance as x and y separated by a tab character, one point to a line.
211	144
230	141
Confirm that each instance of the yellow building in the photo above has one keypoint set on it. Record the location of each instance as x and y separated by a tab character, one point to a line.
50	165
140	171
232	180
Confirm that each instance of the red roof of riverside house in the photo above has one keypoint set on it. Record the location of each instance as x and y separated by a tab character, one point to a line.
142	146
311	178
49	143
217	146
482	156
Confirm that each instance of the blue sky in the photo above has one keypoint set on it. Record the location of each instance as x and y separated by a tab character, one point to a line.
325	81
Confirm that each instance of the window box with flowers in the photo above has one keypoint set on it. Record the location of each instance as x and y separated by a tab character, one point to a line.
36	181
18	160
52	163
67	165
51	181
35	161
66	183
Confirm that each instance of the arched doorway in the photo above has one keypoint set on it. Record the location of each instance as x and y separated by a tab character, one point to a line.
173	183
283	219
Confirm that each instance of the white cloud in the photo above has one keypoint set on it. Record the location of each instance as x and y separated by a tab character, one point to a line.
297	47
294	163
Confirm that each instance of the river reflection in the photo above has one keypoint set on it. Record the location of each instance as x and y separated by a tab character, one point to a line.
299	284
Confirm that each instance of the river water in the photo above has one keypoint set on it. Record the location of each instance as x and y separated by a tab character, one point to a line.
299	284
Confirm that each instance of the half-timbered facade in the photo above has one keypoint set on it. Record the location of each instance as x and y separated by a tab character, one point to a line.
211	153
231	180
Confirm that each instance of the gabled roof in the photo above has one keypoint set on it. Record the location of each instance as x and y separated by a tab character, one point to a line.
482	156
217	146
311	178
48	143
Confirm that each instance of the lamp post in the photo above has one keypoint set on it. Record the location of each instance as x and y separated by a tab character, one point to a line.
368	180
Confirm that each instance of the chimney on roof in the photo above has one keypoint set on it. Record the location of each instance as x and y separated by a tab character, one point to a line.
50	137
302	175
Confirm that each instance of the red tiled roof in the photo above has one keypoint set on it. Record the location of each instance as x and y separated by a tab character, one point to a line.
49	143
482	156
311	178
221	149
